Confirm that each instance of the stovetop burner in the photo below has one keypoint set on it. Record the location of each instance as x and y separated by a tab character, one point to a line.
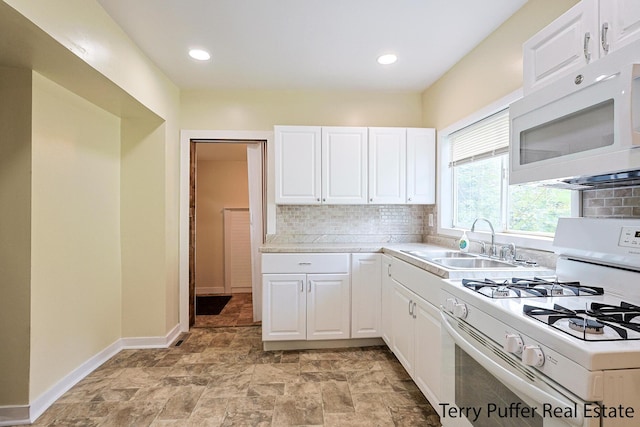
598	322
528	288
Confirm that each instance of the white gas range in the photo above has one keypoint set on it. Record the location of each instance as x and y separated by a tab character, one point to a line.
550	351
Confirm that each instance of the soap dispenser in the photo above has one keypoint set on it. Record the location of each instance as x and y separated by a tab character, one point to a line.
463	243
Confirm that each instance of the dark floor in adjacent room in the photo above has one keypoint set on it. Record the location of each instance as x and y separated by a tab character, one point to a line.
237	312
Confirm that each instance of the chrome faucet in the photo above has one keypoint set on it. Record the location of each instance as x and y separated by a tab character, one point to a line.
492	248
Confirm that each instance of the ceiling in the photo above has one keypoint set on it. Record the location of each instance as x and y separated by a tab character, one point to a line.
308	44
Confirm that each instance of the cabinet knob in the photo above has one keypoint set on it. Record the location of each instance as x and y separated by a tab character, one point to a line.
409	199
318	199
371	200
324	200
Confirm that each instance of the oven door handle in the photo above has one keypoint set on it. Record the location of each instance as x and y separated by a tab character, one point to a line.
511	379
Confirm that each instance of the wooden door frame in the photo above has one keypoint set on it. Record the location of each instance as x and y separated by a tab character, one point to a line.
186	137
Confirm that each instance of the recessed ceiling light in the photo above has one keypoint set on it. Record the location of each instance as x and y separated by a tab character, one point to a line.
387	59
199	54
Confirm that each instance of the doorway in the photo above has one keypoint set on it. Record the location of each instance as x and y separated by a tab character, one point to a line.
227	143
221	234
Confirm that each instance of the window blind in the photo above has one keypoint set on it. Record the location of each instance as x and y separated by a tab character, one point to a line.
486	138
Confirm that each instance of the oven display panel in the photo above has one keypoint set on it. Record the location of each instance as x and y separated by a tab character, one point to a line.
630	237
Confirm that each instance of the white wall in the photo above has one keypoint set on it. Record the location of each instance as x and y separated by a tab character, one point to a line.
75	264
492	70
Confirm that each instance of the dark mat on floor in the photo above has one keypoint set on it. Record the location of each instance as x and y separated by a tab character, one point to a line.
211	304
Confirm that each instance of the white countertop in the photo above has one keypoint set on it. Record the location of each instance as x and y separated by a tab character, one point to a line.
396	250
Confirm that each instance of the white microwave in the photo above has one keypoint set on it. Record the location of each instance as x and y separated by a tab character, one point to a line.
583	125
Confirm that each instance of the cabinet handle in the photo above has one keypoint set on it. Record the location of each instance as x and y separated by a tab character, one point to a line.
304	263
301	285
389	270
587	54
414	310
410	305
603	37
309	287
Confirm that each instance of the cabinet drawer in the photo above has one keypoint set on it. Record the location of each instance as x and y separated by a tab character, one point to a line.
419	281
305	263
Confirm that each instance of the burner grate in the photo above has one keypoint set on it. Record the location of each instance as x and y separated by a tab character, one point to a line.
529	288
599	322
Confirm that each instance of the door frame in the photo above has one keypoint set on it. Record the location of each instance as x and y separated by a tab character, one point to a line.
186	136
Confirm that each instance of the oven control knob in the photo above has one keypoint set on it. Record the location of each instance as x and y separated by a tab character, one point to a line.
449	304
513	343
532	355
460	310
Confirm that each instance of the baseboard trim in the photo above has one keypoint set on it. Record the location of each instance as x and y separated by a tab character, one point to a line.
314	345
45	400
208	290
133	343
14	415
19	415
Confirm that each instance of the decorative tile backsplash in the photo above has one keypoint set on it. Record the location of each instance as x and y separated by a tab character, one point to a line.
349	223
410	223
621	202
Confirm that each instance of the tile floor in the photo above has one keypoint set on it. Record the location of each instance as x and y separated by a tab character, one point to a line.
221	377
237	312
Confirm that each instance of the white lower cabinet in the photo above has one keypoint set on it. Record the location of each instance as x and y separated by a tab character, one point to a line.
403	326
415	326
284	311
305	307
427	350
385	304
365	295
306	296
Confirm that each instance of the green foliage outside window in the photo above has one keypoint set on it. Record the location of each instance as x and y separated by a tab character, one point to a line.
478	192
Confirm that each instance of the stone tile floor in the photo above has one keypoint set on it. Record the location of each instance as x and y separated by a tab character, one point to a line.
222	377
237	312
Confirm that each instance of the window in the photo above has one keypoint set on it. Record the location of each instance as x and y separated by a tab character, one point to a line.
474	183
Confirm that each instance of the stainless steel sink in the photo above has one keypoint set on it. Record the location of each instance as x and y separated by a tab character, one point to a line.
429	255
475	263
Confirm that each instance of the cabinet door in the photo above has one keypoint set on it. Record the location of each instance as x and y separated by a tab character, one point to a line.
428	349
328	306
297	164
421	166
385	308
403	326
565	45
344	165
387	165
284	307
619	23
365	296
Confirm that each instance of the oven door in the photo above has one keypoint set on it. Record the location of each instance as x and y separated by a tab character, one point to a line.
484	386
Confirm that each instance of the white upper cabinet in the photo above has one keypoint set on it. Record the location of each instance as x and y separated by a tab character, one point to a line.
619	23
387	165
354	165
586	32
344	165
421	171
565	45
298	166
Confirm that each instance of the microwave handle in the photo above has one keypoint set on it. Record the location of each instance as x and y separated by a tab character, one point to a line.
508	378
585	48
